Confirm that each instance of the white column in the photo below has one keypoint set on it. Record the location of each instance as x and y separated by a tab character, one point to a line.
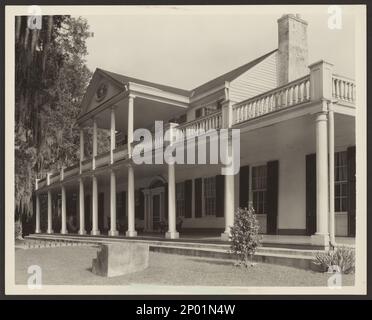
95	230
131	199
172	232
50	230
82	156
130	123
37	216
321	237
63	218
229	206
113	135
94	143
113	231
81	208
331	145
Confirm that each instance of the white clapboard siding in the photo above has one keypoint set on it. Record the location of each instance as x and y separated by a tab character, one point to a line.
259	79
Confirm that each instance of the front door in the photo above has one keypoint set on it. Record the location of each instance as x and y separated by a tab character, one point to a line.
155	211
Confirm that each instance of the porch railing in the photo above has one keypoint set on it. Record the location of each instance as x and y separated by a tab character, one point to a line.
199	126
86	165
343	88
121	152
42	183
291	94
54	177
71	171
102	159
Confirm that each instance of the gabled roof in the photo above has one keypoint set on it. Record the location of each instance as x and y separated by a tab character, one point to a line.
125	79
229	76
219	81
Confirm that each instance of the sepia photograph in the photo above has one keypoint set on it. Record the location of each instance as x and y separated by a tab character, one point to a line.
188	150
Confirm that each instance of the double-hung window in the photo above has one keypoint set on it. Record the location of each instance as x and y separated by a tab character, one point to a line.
210	196
180	199
259	188
341	182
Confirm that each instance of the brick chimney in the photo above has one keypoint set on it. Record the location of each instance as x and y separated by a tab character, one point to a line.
293	52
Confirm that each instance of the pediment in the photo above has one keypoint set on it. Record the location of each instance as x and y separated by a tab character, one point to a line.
100	89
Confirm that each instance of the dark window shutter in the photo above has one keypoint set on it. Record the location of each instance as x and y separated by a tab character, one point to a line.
352	190
140	204
272	196
244	187
188	198
310	194
198	197
220	195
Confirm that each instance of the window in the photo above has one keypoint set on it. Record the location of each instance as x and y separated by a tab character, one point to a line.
199	113
180	199
210	196
259	177
341	183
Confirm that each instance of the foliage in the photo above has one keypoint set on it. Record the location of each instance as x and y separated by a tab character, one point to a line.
50	80
343	257
244	234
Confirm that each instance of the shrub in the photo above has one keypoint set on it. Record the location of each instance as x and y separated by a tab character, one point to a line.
342	257
244	235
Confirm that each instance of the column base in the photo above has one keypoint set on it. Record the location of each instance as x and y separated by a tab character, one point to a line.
82	232
64	232
113	233
225	236
321	241
37	231
50	231
131	233
172	235
95	233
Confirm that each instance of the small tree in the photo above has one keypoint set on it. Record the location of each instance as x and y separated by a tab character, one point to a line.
244	235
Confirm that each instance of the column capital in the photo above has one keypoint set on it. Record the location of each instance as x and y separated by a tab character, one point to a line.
131	96
321	116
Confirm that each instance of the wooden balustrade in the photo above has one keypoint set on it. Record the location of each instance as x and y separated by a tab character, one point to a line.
198	126
291	94
343	88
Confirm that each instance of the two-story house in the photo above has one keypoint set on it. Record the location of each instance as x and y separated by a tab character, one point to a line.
297	152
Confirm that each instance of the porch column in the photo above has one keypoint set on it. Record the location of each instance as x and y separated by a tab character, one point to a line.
229	206
81	208
172	232
112	135
113	231
50	230
131	198
95	230
37	215
331	145
63	218
130	123
82	156
94	143
321	237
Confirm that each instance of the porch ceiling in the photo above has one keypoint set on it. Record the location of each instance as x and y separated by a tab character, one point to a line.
145	112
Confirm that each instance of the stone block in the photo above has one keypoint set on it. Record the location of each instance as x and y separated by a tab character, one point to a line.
118	259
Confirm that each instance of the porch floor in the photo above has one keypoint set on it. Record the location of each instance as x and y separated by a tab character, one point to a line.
285	241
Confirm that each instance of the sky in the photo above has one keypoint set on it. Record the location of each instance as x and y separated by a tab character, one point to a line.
185	47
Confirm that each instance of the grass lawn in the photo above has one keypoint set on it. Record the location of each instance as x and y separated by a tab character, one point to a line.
71	265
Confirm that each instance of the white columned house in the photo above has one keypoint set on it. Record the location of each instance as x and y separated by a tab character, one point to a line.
297	151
